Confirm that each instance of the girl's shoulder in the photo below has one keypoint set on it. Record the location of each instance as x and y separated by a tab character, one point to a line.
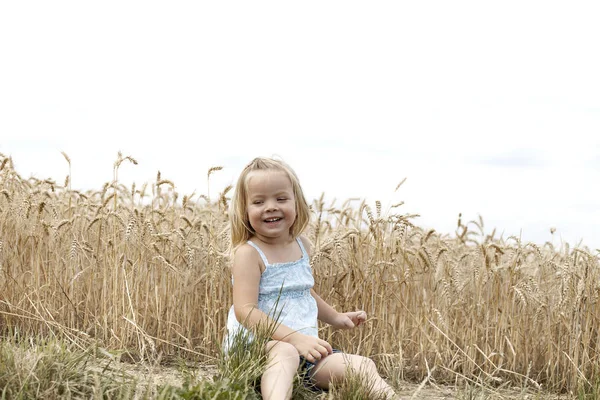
308	246
243	250
247	255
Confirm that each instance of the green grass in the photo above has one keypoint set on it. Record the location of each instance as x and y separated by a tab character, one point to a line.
217	390
52	368
37	368
589	391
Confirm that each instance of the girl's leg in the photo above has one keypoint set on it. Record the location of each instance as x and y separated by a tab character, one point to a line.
335	366
277	380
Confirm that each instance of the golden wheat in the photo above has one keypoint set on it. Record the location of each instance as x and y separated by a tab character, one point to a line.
150	274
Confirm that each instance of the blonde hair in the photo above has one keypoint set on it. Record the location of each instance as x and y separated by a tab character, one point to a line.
241	230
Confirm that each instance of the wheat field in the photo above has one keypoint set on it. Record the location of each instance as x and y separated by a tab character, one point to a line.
145	270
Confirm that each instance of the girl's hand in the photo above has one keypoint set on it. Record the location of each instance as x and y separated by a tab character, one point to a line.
310	347
349	320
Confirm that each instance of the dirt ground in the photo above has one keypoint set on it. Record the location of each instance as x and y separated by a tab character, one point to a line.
161	375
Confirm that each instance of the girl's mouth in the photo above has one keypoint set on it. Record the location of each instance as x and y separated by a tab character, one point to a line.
271	220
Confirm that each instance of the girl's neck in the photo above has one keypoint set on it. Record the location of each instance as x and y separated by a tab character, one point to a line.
273	242
279	251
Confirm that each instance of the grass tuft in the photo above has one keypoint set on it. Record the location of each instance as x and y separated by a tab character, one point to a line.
33	368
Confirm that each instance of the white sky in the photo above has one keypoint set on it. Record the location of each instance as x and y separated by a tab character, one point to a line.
490	109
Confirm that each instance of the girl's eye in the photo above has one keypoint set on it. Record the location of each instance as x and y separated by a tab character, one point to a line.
257	202
281	199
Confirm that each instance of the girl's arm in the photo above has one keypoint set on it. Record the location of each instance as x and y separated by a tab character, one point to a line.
336	319
327	313
246	280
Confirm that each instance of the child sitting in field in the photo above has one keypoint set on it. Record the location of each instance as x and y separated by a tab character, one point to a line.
271	273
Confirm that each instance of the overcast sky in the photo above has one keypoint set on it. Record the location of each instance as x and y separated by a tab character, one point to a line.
488	109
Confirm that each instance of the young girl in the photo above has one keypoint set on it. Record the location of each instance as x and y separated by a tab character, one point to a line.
272	275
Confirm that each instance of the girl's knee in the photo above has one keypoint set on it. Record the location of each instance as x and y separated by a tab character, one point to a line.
337	366
363	364
283	351
368	363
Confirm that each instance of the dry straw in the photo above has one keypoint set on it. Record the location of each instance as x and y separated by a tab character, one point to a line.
149	273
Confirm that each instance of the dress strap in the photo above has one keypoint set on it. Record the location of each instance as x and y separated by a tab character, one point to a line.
260	252
304	253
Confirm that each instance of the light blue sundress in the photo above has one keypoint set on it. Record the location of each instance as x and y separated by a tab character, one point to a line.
284	293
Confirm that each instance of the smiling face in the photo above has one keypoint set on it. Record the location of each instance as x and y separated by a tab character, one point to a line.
271	205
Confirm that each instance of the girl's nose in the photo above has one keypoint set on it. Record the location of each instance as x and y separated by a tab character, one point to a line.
271	206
